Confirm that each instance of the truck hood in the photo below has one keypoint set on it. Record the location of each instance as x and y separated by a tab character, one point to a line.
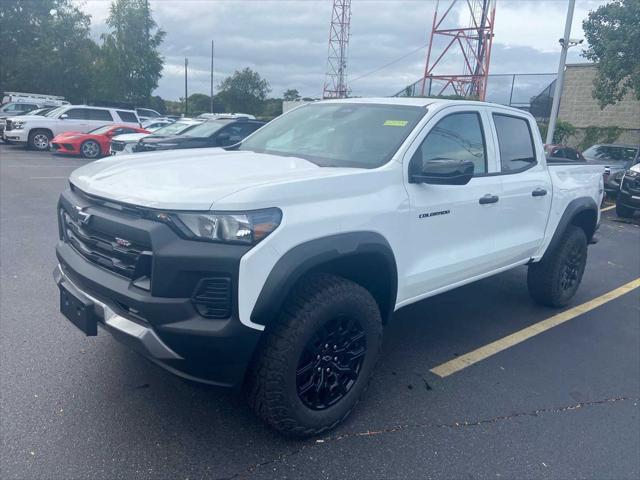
190	179
130	137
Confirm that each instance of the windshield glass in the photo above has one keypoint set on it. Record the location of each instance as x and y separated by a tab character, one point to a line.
101	130
176	128
207	129
338	134
55	111
611	153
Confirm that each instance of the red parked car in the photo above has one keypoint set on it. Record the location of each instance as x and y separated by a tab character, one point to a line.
93	144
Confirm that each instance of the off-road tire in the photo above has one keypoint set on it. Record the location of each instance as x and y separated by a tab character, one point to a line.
36	140
623	211
271	383
545	278
90	149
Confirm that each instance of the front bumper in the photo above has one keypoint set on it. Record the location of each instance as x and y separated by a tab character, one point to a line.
16	135
65	147
159	317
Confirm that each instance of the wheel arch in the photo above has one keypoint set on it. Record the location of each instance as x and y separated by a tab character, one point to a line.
35	130
581	212
365	258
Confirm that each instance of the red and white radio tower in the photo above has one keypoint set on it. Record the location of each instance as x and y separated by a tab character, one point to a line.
335	84
475	44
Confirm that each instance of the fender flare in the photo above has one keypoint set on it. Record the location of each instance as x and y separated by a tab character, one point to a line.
575	207
313	254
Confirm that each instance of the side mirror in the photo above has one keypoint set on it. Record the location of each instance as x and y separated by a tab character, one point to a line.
444	172
63	116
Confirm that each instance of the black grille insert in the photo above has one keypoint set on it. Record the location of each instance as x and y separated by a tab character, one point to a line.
212	297
116	254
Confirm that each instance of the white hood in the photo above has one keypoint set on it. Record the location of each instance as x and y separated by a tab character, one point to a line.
130	137
189	179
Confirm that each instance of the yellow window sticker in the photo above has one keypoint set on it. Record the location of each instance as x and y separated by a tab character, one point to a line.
396	123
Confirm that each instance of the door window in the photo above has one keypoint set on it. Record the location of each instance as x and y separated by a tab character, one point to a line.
100	115
517	152
458	136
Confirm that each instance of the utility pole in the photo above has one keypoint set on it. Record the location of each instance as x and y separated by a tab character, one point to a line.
565	43
186	93
211	94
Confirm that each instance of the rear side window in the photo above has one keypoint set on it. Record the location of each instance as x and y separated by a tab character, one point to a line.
129	117
101	115
516	143
458	136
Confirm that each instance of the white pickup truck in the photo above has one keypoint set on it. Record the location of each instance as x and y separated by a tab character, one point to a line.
274	264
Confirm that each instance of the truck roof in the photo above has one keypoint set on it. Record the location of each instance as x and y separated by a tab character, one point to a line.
419	102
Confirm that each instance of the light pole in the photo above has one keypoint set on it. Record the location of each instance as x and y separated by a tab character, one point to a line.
566	42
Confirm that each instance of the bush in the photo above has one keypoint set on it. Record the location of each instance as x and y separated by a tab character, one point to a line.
564	130
594	135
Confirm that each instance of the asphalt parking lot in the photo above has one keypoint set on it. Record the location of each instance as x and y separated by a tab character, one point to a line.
564	403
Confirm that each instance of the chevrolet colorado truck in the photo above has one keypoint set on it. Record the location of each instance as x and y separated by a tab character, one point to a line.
274	264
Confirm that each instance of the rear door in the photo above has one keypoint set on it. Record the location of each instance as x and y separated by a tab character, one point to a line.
526	186
452	232
98	117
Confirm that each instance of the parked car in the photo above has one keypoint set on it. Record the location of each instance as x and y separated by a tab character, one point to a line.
217	116
628	201
616	158
92	144
212	133
126	143
563	153
36	132
146	114
40	112
275	263
17	108
153	125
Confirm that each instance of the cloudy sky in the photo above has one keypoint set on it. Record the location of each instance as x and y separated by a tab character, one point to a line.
286	41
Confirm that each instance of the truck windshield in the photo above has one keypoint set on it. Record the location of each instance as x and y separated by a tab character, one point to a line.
338	134
55	111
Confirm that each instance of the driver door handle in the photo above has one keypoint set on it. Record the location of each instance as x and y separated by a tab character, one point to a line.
539	192
488	198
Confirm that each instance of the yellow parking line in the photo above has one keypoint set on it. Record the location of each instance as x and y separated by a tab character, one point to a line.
611	207
481	353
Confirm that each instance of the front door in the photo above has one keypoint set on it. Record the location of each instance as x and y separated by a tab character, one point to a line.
452	226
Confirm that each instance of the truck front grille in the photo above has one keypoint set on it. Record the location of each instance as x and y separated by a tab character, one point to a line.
105	249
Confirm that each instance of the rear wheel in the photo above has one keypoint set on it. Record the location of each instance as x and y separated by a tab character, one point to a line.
317	360
623	211
39	140
90	149
555	280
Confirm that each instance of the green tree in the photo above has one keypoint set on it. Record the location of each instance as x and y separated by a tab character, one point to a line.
46	48
199	103
130	64
245	91
613	34
291	95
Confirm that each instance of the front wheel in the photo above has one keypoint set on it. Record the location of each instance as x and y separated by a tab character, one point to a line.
554	280
316	361
39	140
623	211
90	149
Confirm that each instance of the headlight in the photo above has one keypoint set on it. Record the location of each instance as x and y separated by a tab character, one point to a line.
631	174
238	227
17	125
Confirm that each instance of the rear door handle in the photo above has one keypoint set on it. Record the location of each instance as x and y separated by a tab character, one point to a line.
539	192
488	198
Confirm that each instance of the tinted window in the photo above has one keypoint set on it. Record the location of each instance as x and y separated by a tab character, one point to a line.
101	115
338	134
611	153
515	142
77	114
27	107
458	136
127	116
147	113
